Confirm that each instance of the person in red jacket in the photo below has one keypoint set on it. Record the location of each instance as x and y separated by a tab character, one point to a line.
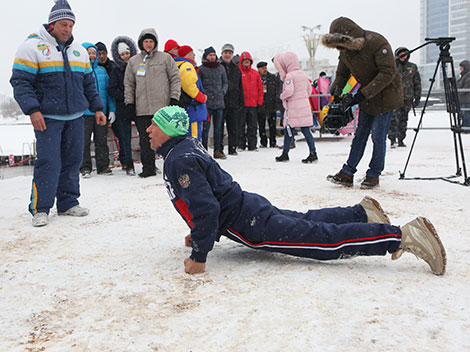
253	95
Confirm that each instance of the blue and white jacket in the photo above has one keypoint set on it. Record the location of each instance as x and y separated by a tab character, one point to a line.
101	82
54	81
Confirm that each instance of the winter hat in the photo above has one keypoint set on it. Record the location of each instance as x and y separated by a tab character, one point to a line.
228	47
101	47
61	11
123	48
171	44
172	120
261	64
208	51
184	50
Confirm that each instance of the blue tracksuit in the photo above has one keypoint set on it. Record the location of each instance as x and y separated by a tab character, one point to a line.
212	204
56	80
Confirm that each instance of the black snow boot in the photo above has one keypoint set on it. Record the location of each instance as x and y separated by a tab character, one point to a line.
310	158
282	157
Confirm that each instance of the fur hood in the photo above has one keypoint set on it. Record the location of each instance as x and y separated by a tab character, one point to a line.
344	33
114	49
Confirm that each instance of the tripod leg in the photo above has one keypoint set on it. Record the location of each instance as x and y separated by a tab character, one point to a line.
432	80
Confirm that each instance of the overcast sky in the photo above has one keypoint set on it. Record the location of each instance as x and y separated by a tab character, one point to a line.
261	27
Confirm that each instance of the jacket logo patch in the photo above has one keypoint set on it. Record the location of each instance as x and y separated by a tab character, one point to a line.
288	81
44	49
384	51
76	53
188	68
184	181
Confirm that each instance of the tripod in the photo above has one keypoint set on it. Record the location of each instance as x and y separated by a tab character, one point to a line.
453	108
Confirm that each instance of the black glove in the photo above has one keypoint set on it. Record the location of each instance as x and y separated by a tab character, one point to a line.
130	111
357	98
416	101
337	95
175	102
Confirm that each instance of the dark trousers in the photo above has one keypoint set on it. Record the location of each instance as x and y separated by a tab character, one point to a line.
147	155
248	127
271	117
123	129
323	234
217	119
59	151
100	134
232	118
398	124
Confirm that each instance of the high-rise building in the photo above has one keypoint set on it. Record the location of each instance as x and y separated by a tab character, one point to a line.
444	18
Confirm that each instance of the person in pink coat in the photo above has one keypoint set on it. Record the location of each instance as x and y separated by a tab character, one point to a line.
295	93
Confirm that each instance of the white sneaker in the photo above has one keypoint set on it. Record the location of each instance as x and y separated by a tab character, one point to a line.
40	219
420	238
86	174
375	213
76	211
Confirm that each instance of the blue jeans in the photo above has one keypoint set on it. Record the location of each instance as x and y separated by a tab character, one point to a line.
465	115
378	125
217	117
308	137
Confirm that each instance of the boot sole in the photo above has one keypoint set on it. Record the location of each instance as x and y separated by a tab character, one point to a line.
433	231
332	180
376	204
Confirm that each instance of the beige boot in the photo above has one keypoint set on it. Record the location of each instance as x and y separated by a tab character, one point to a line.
420	238
375	213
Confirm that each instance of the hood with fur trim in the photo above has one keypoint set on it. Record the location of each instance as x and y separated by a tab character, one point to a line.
114	49
344	34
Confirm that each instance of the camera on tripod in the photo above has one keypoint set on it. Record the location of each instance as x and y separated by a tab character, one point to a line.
337	114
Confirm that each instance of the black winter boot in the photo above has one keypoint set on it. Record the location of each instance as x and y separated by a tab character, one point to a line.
282	157
310	158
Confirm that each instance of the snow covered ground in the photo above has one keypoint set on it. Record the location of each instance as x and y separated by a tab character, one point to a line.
114	281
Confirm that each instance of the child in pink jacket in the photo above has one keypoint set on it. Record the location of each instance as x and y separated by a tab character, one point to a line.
295	92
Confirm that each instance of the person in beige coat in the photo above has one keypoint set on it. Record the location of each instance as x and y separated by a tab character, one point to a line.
151	81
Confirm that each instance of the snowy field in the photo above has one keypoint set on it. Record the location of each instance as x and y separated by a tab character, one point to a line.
115	281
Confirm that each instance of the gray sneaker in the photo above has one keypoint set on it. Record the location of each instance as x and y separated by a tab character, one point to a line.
375	213
76	211
40	219
420	238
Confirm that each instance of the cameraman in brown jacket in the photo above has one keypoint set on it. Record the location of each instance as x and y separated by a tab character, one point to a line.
369	58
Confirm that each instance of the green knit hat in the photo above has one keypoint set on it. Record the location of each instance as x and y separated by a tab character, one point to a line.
172	120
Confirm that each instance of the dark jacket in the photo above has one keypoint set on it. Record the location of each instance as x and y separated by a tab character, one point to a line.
108	65
272	91
202	193
369	58
214	81
464	82
116	79
234	96
410	78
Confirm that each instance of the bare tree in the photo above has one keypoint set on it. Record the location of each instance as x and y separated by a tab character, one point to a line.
10	108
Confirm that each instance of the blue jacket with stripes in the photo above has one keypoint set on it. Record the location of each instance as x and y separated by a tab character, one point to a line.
53	80
203	194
